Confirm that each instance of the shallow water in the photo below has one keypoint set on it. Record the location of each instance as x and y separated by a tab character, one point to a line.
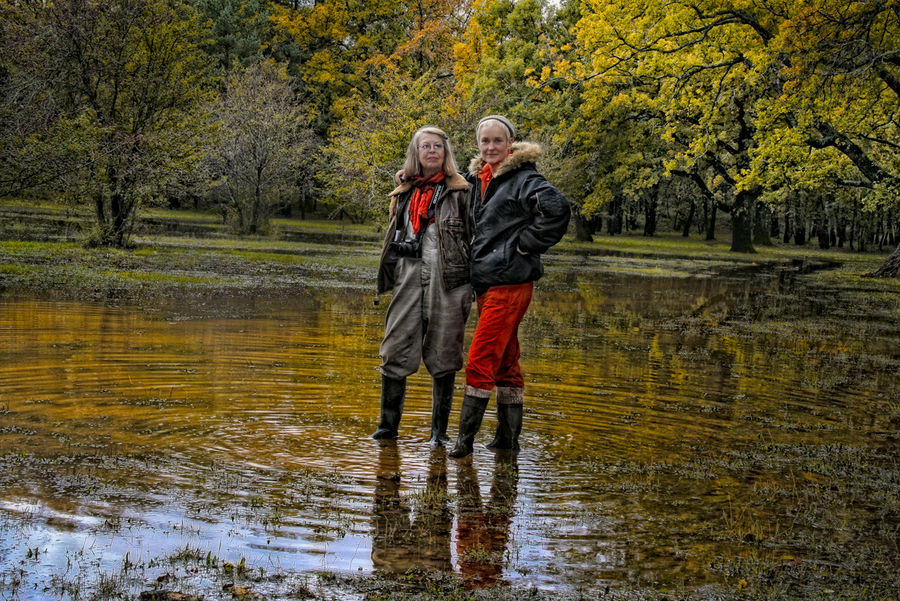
239	429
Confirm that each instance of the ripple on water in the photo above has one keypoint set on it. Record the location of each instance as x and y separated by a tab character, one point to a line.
246	433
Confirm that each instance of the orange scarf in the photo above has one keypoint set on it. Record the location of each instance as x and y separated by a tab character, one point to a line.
485	175
421	200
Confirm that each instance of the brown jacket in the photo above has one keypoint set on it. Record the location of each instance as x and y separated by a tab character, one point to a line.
454	232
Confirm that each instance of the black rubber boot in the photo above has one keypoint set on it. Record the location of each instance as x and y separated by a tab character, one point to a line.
441	402
509	426
392	395
470	416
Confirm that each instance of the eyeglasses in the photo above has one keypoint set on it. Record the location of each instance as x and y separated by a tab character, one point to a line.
428	146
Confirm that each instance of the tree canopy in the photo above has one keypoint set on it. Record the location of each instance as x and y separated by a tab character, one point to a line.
768	110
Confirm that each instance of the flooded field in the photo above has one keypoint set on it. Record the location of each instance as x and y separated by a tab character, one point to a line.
680	433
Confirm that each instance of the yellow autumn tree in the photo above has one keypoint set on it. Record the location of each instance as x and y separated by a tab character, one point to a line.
751	102
373	72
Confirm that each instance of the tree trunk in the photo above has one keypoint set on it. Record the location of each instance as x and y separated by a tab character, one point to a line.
101	211
630	220
889	268
583	230
742	223
686	230
614	225
821	226
711	222
822	234
121	217
257	203
650	203
787	224
799	233
840	230
117	204
773	225
761	224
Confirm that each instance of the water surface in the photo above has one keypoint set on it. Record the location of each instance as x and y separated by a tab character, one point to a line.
659	414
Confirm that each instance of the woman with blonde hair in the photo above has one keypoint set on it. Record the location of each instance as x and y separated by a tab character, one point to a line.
517	216
425	262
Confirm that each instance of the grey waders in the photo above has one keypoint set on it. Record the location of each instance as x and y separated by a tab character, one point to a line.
441	402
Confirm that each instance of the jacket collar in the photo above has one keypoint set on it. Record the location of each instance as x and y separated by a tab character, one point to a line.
522	153
454	181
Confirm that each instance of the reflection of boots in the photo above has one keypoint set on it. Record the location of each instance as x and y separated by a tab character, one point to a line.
434	519
390	513
392	393
442	400
509	426
470	416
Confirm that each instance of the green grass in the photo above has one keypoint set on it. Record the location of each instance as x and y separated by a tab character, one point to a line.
673	244
340	253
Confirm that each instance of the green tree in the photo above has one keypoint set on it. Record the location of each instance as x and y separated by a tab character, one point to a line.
118	85
369	145
262	145
372	72
345	46
695	69
239	30
835	130
503	63
746	99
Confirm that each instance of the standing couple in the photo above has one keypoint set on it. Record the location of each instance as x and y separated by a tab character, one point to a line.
450	234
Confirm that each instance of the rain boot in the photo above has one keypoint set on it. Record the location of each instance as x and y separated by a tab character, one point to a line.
441	402
393	392
509	426
470	416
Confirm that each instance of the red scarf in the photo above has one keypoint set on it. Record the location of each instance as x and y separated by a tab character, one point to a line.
421	200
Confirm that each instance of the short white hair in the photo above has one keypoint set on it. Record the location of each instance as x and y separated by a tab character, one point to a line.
500	120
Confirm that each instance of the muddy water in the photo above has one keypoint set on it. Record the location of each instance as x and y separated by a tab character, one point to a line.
239	430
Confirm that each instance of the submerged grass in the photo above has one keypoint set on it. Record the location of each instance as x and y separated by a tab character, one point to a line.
181	266
835	550
334	254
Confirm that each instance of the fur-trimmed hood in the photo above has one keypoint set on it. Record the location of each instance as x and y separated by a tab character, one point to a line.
454	181
522	153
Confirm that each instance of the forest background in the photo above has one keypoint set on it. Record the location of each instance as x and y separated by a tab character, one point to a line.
782	114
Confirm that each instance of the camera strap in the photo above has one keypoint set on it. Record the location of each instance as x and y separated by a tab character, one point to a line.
438	191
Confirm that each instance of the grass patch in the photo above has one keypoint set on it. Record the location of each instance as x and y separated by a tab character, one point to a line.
674	245
166	263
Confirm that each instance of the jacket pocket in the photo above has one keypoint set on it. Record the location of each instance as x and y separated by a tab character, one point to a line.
454	246
455	253
520	268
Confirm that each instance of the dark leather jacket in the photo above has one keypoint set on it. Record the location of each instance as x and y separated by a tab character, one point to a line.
520	211
454	231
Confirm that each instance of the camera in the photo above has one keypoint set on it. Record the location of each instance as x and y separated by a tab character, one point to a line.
407	248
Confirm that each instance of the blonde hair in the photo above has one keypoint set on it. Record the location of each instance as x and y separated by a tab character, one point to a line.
412	167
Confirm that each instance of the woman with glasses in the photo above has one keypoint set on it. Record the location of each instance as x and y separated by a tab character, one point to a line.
425	262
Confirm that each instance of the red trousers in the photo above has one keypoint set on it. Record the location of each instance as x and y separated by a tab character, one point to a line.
494	352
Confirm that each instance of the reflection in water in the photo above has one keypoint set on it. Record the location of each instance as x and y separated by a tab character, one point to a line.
483	527
413	531
241	428
404	538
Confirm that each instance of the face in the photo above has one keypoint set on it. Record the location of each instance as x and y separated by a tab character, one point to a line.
493	143
431	153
